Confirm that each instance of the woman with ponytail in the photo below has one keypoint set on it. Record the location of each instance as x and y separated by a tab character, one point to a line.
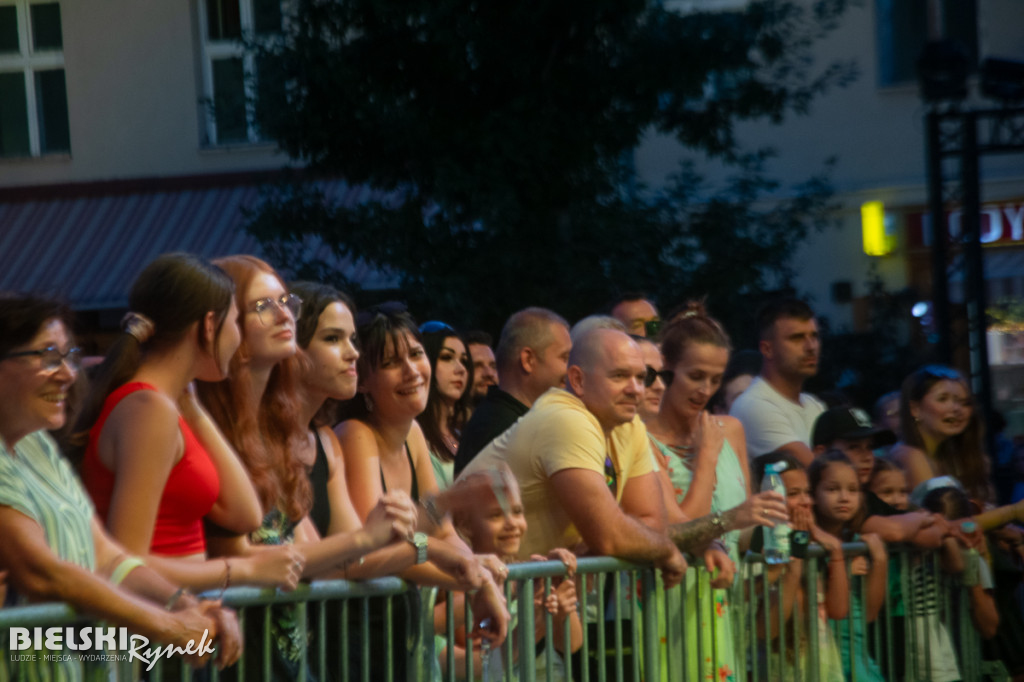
154	462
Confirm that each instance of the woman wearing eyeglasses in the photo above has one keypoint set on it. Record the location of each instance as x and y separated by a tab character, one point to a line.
706	460
155	464
259	408
54	548
448	399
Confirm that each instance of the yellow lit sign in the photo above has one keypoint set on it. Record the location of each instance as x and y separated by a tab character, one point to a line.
878	241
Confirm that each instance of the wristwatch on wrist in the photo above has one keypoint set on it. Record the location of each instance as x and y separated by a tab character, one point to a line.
419	541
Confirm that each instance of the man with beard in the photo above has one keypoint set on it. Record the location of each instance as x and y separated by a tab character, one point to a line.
775	414
485	367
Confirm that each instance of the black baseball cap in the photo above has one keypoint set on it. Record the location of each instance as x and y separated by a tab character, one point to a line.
849	423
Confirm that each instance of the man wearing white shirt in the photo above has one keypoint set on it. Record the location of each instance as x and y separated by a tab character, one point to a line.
775	414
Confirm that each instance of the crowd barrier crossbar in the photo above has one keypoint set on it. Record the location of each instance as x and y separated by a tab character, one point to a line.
633	628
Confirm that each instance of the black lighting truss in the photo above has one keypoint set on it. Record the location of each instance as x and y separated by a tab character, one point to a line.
957	140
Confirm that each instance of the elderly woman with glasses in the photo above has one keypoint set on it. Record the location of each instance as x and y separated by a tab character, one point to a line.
54	548
448	399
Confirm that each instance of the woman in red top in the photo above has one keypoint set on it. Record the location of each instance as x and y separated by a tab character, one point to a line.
154	462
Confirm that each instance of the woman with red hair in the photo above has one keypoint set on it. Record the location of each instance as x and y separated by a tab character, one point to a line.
260	410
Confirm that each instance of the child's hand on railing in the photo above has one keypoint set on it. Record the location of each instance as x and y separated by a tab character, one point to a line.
876	547
565	556
716	559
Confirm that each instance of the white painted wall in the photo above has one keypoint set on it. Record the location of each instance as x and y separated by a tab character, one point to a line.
133	86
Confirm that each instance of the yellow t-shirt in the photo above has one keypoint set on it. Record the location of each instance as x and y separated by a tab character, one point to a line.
560	433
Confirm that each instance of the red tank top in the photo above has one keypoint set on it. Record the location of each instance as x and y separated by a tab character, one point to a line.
189	493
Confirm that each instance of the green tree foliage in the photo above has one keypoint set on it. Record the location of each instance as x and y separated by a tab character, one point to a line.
498	136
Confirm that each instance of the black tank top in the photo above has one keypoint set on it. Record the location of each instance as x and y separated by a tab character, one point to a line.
415	495
320	512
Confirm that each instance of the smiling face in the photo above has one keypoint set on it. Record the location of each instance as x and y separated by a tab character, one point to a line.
651	403
271	339
944	411
33	398
891	487
332	355
399	384
697	376
489	530
837	497
612	385
451	370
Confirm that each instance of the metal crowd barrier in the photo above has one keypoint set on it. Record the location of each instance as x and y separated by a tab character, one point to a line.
633	629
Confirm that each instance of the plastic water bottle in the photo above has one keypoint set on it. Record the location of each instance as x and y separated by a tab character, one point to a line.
776	540
971	558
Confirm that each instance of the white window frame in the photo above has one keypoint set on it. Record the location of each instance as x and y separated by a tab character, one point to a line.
28	61
214	50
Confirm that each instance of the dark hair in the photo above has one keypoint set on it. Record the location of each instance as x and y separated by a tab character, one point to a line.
817	469
175	291
882	466
478	337
741	363
961	456
625	297
265	433
778	309
758	465
692	325
430	418
377	327
952	503
315	299
22	316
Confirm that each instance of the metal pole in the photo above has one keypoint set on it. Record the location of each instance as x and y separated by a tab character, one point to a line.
939	235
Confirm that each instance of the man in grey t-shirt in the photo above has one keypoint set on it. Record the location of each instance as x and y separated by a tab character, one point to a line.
775	414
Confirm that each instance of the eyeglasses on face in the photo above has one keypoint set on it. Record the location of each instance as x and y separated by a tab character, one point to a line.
666	376
266	308
50	358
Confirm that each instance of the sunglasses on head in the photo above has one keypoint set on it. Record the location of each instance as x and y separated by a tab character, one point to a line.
435	326
942	372
665	375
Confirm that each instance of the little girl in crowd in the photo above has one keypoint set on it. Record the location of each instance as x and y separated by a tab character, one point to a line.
831	592
837	506
934	660
490	527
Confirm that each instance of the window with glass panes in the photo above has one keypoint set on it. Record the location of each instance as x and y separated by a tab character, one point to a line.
231	74
33	97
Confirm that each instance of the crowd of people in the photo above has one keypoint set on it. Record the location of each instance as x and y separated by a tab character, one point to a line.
243	430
